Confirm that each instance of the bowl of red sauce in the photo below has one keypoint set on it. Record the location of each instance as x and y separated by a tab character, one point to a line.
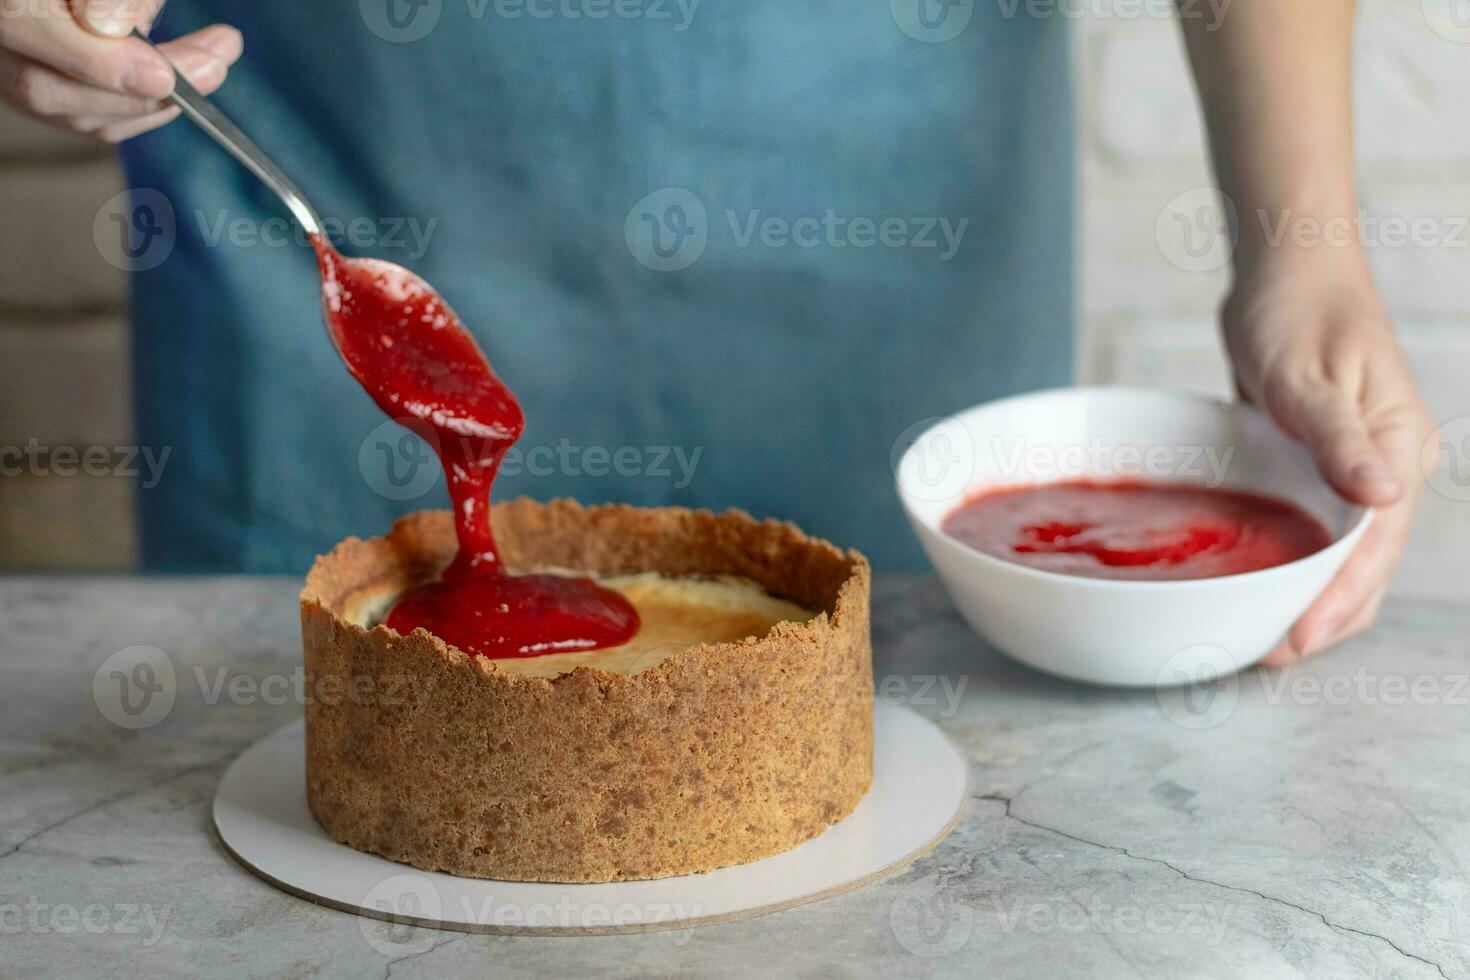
1125	536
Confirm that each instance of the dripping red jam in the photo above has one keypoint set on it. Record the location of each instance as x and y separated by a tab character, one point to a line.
412	354
1136	530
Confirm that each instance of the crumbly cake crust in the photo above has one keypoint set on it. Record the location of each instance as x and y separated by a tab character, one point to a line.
720	755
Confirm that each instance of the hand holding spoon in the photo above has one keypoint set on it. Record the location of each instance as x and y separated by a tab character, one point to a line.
412	353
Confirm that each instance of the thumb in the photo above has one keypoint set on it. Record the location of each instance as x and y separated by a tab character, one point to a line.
1332	427
116	18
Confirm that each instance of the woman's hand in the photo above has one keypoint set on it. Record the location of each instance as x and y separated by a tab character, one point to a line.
70	63
1313	347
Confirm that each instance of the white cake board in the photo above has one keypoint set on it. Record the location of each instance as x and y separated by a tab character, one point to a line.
920	783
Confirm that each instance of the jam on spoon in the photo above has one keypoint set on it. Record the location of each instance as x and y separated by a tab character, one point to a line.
412	354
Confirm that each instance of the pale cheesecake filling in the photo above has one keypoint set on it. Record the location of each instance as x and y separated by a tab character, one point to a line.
677	613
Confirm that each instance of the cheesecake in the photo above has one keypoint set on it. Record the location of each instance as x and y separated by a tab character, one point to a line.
736	724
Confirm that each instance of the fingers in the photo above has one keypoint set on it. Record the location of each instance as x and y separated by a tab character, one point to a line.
1285	654
49	93
116	18
1365	617
1360	584
123	131
203	57
50	35
1331	424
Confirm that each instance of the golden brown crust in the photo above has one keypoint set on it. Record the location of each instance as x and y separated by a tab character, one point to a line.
719	755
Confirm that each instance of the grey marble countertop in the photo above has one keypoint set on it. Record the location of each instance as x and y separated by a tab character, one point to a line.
1309	823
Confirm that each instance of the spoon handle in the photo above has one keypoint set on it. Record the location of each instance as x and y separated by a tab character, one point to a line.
227	134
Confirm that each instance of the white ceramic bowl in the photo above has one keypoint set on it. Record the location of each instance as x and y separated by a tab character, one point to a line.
1127	633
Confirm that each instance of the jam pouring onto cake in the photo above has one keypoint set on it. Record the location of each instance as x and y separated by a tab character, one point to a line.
404	344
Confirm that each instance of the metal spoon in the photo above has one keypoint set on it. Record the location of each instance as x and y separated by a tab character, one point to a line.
227	134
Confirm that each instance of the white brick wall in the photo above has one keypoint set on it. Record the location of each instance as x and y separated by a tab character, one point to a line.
1147	320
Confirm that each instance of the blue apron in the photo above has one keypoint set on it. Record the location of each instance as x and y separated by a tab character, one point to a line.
726	253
